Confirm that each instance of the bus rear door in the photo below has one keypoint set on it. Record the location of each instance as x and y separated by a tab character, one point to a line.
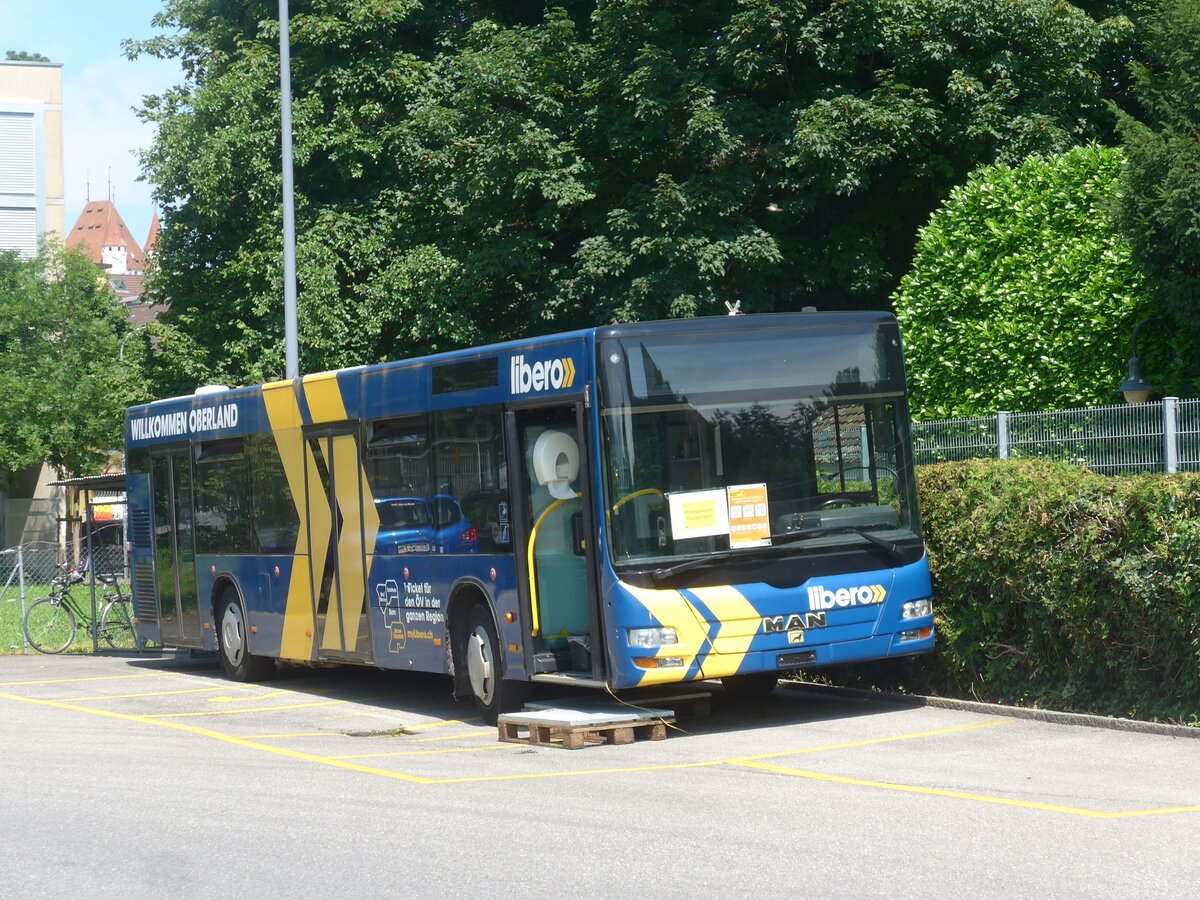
338	521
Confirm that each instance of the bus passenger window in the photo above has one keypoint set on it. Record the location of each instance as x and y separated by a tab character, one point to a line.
471	500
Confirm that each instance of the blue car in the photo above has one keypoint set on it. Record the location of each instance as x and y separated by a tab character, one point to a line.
417	525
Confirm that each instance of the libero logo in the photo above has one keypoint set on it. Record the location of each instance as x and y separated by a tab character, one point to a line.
543	375
868	595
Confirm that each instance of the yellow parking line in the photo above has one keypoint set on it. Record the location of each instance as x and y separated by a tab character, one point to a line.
150	694
254	709
259	697
443	722
79	680
867	742
450	737
422	753
959	795
615	771
751	762
226	738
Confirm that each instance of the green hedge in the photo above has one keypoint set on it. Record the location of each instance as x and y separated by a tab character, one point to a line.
1059	588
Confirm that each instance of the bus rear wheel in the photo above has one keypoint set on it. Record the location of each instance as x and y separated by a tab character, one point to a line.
493	693
233	643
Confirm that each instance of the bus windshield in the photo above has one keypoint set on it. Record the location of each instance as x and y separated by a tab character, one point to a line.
733	442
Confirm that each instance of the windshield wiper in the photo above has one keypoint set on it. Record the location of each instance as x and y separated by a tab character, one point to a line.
787	537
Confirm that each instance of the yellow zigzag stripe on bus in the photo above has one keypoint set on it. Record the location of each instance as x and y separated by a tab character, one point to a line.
739	623
672	610
568	372
739	620
284	415
324	398
344	616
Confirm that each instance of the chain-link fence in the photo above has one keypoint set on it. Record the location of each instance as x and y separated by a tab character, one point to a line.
27	570
1146	437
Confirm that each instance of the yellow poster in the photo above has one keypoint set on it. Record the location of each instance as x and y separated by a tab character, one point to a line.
698	513
749	523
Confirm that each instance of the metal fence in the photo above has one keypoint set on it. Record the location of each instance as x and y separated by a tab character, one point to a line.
1147	437
26	570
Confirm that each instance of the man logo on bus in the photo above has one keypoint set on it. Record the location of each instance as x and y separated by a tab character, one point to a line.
540	376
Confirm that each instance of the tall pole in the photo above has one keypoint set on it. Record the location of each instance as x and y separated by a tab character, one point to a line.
291	351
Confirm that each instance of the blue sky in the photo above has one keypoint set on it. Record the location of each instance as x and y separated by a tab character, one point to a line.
100	89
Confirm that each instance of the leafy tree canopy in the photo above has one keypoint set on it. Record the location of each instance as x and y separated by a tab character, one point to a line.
66	381
1160	202
1023	295
467	172
24	56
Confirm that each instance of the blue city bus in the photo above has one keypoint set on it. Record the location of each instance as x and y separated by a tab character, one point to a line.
619	507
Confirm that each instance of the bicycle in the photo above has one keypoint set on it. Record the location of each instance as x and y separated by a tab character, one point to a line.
52	622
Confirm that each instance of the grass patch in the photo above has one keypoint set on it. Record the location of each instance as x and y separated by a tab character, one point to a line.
12	637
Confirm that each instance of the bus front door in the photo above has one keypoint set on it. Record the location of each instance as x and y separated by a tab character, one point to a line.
336	522
174	548
554	542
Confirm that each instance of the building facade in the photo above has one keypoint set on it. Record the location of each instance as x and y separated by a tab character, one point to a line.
32	182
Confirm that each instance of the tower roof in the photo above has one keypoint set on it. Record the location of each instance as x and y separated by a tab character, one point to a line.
152	238
99	226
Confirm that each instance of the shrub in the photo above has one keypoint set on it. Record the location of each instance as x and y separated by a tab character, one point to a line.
1022	293
1059	588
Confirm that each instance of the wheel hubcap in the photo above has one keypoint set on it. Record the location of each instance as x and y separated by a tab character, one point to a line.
480	665
233	634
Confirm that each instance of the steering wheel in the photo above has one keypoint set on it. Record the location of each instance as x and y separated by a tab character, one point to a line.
836	502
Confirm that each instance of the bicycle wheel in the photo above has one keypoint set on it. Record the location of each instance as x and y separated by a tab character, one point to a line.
116	625
49	625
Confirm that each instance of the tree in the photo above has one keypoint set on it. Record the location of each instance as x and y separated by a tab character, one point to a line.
1023	294
24	56
65	382
475	171
1160	193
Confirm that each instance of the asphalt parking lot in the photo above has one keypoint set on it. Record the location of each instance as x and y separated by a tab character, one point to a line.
804	793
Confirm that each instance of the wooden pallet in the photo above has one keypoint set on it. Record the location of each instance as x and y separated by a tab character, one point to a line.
573	729
683	704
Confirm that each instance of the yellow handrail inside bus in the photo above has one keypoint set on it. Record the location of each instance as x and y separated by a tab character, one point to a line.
635	494
533	597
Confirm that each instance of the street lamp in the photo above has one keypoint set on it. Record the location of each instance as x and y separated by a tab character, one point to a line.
1136	388
290	340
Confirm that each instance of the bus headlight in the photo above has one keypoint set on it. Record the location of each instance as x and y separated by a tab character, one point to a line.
652	637
916	609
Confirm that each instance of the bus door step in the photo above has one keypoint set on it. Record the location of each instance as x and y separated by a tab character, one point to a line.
558	660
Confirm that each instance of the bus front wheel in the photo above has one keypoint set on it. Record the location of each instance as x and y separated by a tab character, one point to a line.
493	692
234	643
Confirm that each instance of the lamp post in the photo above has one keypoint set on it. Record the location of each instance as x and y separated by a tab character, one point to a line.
290	341
1136	388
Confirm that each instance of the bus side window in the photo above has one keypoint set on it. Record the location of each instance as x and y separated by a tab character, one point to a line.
276	522
222	498
471	478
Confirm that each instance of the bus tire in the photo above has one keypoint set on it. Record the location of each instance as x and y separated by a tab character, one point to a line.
233	643
484	663
750	686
